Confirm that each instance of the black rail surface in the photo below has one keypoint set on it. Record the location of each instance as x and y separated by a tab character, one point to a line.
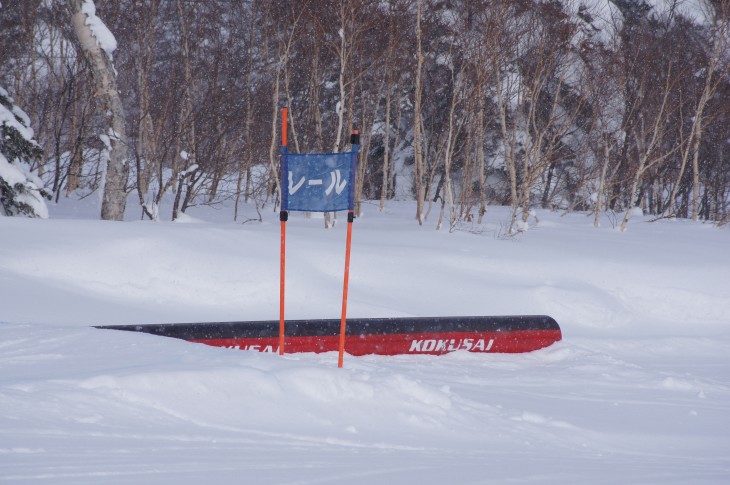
355	326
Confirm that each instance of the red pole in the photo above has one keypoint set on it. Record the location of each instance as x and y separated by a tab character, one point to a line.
283	216
282	273
343	321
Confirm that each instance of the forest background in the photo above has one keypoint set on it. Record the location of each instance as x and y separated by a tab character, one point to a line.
565	105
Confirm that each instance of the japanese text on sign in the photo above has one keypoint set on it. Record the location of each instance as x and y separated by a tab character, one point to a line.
317	182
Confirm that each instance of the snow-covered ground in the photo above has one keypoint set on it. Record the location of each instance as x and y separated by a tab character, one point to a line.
637	392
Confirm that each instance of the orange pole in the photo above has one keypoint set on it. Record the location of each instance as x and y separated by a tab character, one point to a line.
343	321
282	278
283	216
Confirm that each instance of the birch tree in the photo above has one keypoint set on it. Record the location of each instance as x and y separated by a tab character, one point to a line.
717	65
97	45
419	170
648	133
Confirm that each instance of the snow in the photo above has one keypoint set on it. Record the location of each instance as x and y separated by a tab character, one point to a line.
637	392
10	118
11	174
18	171
606	17
106	141
694	10
103	35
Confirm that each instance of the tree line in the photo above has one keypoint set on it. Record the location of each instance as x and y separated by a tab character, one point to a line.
462	104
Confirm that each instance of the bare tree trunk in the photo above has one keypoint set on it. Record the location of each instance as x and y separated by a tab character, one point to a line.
315	89
480	158
274	183
452	133
504	89
344	55
467	171
117	170
75	168
367	131
386	142
602	184
244	168
146	149
396	143
656	132
417	143
694	141
282	55
696	173
292	126
720	48
187	118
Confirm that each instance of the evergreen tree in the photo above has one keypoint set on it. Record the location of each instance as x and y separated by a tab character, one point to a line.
21	191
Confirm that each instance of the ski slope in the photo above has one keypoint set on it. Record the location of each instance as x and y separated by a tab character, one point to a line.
638	391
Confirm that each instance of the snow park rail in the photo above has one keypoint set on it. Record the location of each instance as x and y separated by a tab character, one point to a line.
324	182
382	336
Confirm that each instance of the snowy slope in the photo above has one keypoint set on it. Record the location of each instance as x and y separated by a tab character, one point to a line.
637	392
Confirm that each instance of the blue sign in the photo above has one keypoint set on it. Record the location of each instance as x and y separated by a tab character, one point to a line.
318	182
